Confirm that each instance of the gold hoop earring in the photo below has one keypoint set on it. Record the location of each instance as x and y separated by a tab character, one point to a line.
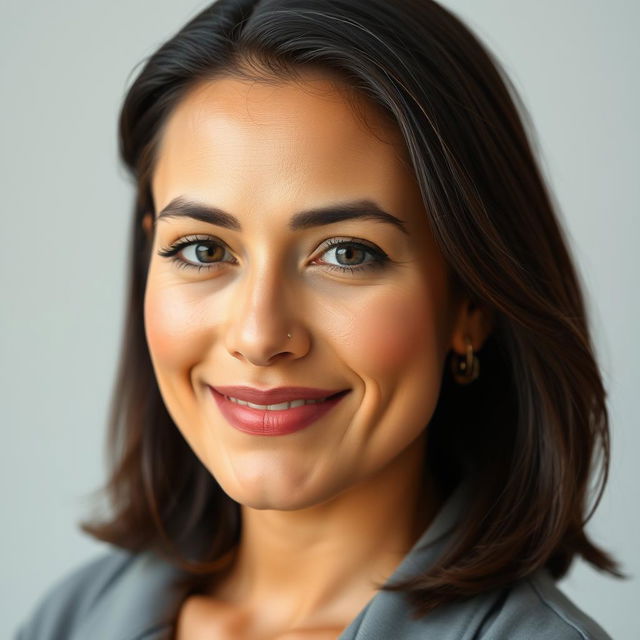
465	368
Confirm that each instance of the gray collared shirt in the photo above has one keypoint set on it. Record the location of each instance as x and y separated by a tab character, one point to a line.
124	596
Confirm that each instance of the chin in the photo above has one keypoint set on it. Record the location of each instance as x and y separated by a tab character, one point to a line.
286	492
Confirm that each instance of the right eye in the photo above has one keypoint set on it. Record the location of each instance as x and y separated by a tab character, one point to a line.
195	252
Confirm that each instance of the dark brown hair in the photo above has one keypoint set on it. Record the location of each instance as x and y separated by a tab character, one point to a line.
531	430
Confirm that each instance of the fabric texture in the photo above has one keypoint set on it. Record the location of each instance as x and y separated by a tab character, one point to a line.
124	596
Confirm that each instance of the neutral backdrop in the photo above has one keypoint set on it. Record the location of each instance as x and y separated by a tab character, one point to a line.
64	69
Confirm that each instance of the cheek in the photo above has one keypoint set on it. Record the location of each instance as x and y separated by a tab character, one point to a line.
394	330
172	326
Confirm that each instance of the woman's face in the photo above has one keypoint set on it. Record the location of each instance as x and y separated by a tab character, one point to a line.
373	317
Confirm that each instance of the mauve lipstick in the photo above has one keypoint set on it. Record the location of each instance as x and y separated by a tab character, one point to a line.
273	422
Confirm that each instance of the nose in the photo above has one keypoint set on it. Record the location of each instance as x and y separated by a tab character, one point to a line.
262	313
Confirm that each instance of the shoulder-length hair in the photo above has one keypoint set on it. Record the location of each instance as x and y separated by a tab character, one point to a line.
531	430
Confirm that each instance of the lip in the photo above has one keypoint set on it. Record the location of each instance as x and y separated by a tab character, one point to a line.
265	422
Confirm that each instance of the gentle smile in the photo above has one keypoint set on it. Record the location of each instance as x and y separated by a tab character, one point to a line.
278	418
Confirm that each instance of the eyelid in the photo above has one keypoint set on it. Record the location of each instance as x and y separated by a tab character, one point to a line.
185	241
342	240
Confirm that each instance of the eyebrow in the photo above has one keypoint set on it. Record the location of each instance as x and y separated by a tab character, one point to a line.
182	207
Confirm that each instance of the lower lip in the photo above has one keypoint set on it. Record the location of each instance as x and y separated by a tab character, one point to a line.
263	422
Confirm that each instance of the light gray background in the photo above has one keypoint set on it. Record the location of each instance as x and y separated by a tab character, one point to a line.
64	68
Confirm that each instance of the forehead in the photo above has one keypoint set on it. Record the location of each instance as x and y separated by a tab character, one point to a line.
309	134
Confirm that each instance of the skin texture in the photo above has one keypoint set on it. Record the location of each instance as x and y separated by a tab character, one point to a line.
331	508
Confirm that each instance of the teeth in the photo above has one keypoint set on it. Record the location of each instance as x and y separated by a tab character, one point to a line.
276	407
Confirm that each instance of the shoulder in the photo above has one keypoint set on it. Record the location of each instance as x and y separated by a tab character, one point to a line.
70	597
115	586
535	608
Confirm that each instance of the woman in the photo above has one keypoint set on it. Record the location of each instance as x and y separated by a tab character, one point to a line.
358	396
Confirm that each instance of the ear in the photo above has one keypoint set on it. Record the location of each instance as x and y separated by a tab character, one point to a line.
474	321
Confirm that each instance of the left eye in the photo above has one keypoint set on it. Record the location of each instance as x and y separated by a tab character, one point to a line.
347	253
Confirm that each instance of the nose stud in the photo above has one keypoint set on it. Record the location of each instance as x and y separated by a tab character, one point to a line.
288	335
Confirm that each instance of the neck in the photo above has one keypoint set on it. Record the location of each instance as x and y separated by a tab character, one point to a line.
326	561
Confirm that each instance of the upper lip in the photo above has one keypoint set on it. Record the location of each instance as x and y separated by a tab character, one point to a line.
276	395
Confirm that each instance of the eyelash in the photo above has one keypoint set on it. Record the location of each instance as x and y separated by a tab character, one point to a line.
171	252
